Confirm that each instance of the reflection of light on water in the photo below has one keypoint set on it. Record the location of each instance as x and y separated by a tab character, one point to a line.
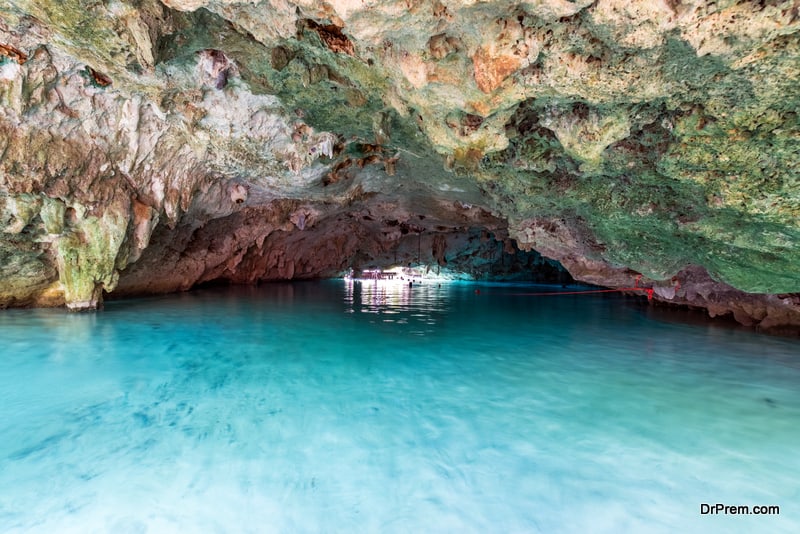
398	301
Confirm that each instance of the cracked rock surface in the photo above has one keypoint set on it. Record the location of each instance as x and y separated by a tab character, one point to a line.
148	146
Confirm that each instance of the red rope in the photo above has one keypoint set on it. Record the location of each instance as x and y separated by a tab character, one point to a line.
647	290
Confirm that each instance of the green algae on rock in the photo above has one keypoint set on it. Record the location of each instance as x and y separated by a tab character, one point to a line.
619	138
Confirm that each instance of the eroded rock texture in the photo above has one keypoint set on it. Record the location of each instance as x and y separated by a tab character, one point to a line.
148	146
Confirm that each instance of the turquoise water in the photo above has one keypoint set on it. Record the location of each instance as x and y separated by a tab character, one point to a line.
355	407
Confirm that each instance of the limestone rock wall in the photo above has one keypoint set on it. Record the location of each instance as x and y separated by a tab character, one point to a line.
151	145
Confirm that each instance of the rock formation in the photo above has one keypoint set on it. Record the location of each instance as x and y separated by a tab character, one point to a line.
148	145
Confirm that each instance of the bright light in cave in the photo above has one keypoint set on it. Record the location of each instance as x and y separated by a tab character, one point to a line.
401	274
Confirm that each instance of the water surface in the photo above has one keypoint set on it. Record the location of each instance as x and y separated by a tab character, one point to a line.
363	407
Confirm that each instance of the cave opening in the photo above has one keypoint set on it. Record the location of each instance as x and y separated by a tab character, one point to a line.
471	254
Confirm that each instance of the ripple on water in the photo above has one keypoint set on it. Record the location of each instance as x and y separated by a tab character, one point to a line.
343	407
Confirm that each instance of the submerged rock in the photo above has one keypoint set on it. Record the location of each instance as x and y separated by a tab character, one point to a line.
149	146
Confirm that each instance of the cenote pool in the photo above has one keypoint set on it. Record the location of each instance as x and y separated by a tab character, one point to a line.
361	407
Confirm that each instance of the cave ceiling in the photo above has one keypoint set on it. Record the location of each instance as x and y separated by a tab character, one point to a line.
148	146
